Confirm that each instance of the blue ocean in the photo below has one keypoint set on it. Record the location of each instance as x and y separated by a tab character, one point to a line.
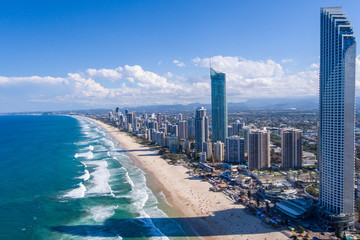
65	178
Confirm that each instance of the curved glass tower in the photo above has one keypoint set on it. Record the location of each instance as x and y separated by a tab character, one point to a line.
218	106
337	107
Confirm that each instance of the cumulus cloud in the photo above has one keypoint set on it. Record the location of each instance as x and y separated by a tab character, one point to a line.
133	85
32	80
178	63
263	78
112	74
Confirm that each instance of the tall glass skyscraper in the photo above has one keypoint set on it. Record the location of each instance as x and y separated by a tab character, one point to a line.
218	106
336	132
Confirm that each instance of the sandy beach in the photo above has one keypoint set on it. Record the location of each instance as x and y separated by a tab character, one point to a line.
211	214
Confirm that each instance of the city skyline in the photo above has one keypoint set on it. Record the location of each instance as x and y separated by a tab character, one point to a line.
66	66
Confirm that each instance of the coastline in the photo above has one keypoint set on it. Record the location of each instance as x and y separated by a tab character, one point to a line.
211	214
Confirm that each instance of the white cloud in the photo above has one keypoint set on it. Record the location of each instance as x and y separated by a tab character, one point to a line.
255	79
112	74
178	63
133	85
287	60
32	80
315	65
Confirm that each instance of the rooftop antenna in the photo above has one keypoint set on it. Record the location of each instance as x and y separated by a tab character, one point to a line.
210	58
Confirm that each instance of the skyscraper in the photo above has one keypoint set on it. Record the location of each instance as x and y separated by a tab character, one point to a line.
183	129
336	126
291	148
259	149
191	127
235	150
219	151
159	118
218	106
201	128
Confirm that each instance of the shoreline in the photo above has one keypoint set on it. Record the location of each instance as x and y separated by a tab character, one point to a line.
211	214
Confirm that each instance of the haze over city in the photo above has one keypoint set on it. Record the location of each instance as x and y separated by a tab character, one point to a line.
66	55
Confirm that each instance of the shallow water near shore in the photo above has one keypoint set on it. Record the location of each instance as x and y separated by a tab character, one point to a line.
65	178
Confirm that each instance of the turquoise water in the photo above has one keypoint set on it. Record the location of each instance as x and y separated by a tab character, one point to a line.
65	178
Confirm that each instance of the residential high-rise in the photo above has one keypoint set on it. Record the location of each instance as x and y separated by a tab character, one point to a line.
291	148
218	106
235	150
203	157
173	143
237	127
183	129
174	130
191	127
159	118
201	128
230	131
219	151
336	123
207	148
258	149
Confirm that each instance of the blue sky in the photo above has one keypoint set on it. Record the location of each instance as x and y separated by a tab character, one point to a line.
58	55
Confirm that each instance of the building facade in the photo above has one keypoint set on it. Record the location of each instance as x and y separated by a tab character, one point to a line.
291	148
235	150
191	127
219	151
218	106
336	124
258	149
201	128
183	129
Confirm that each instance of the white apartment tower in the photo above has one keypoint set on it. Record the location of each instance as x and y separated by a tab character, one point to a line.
336	123
219	151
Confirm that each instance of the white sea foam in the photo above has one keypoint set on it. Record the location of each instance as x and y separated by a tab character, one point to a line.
91	148
101	213
165	199
101	174
77	192
128	179
87	155
86	175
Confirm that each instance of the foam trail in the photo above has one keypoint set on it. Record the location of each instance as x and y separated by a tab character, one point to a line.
87	155
86	175
128	179
100	179
101	213
165	199
77	192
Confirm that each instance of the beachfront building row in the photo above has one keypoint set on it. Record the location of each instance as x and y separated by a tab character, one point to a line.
157	130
